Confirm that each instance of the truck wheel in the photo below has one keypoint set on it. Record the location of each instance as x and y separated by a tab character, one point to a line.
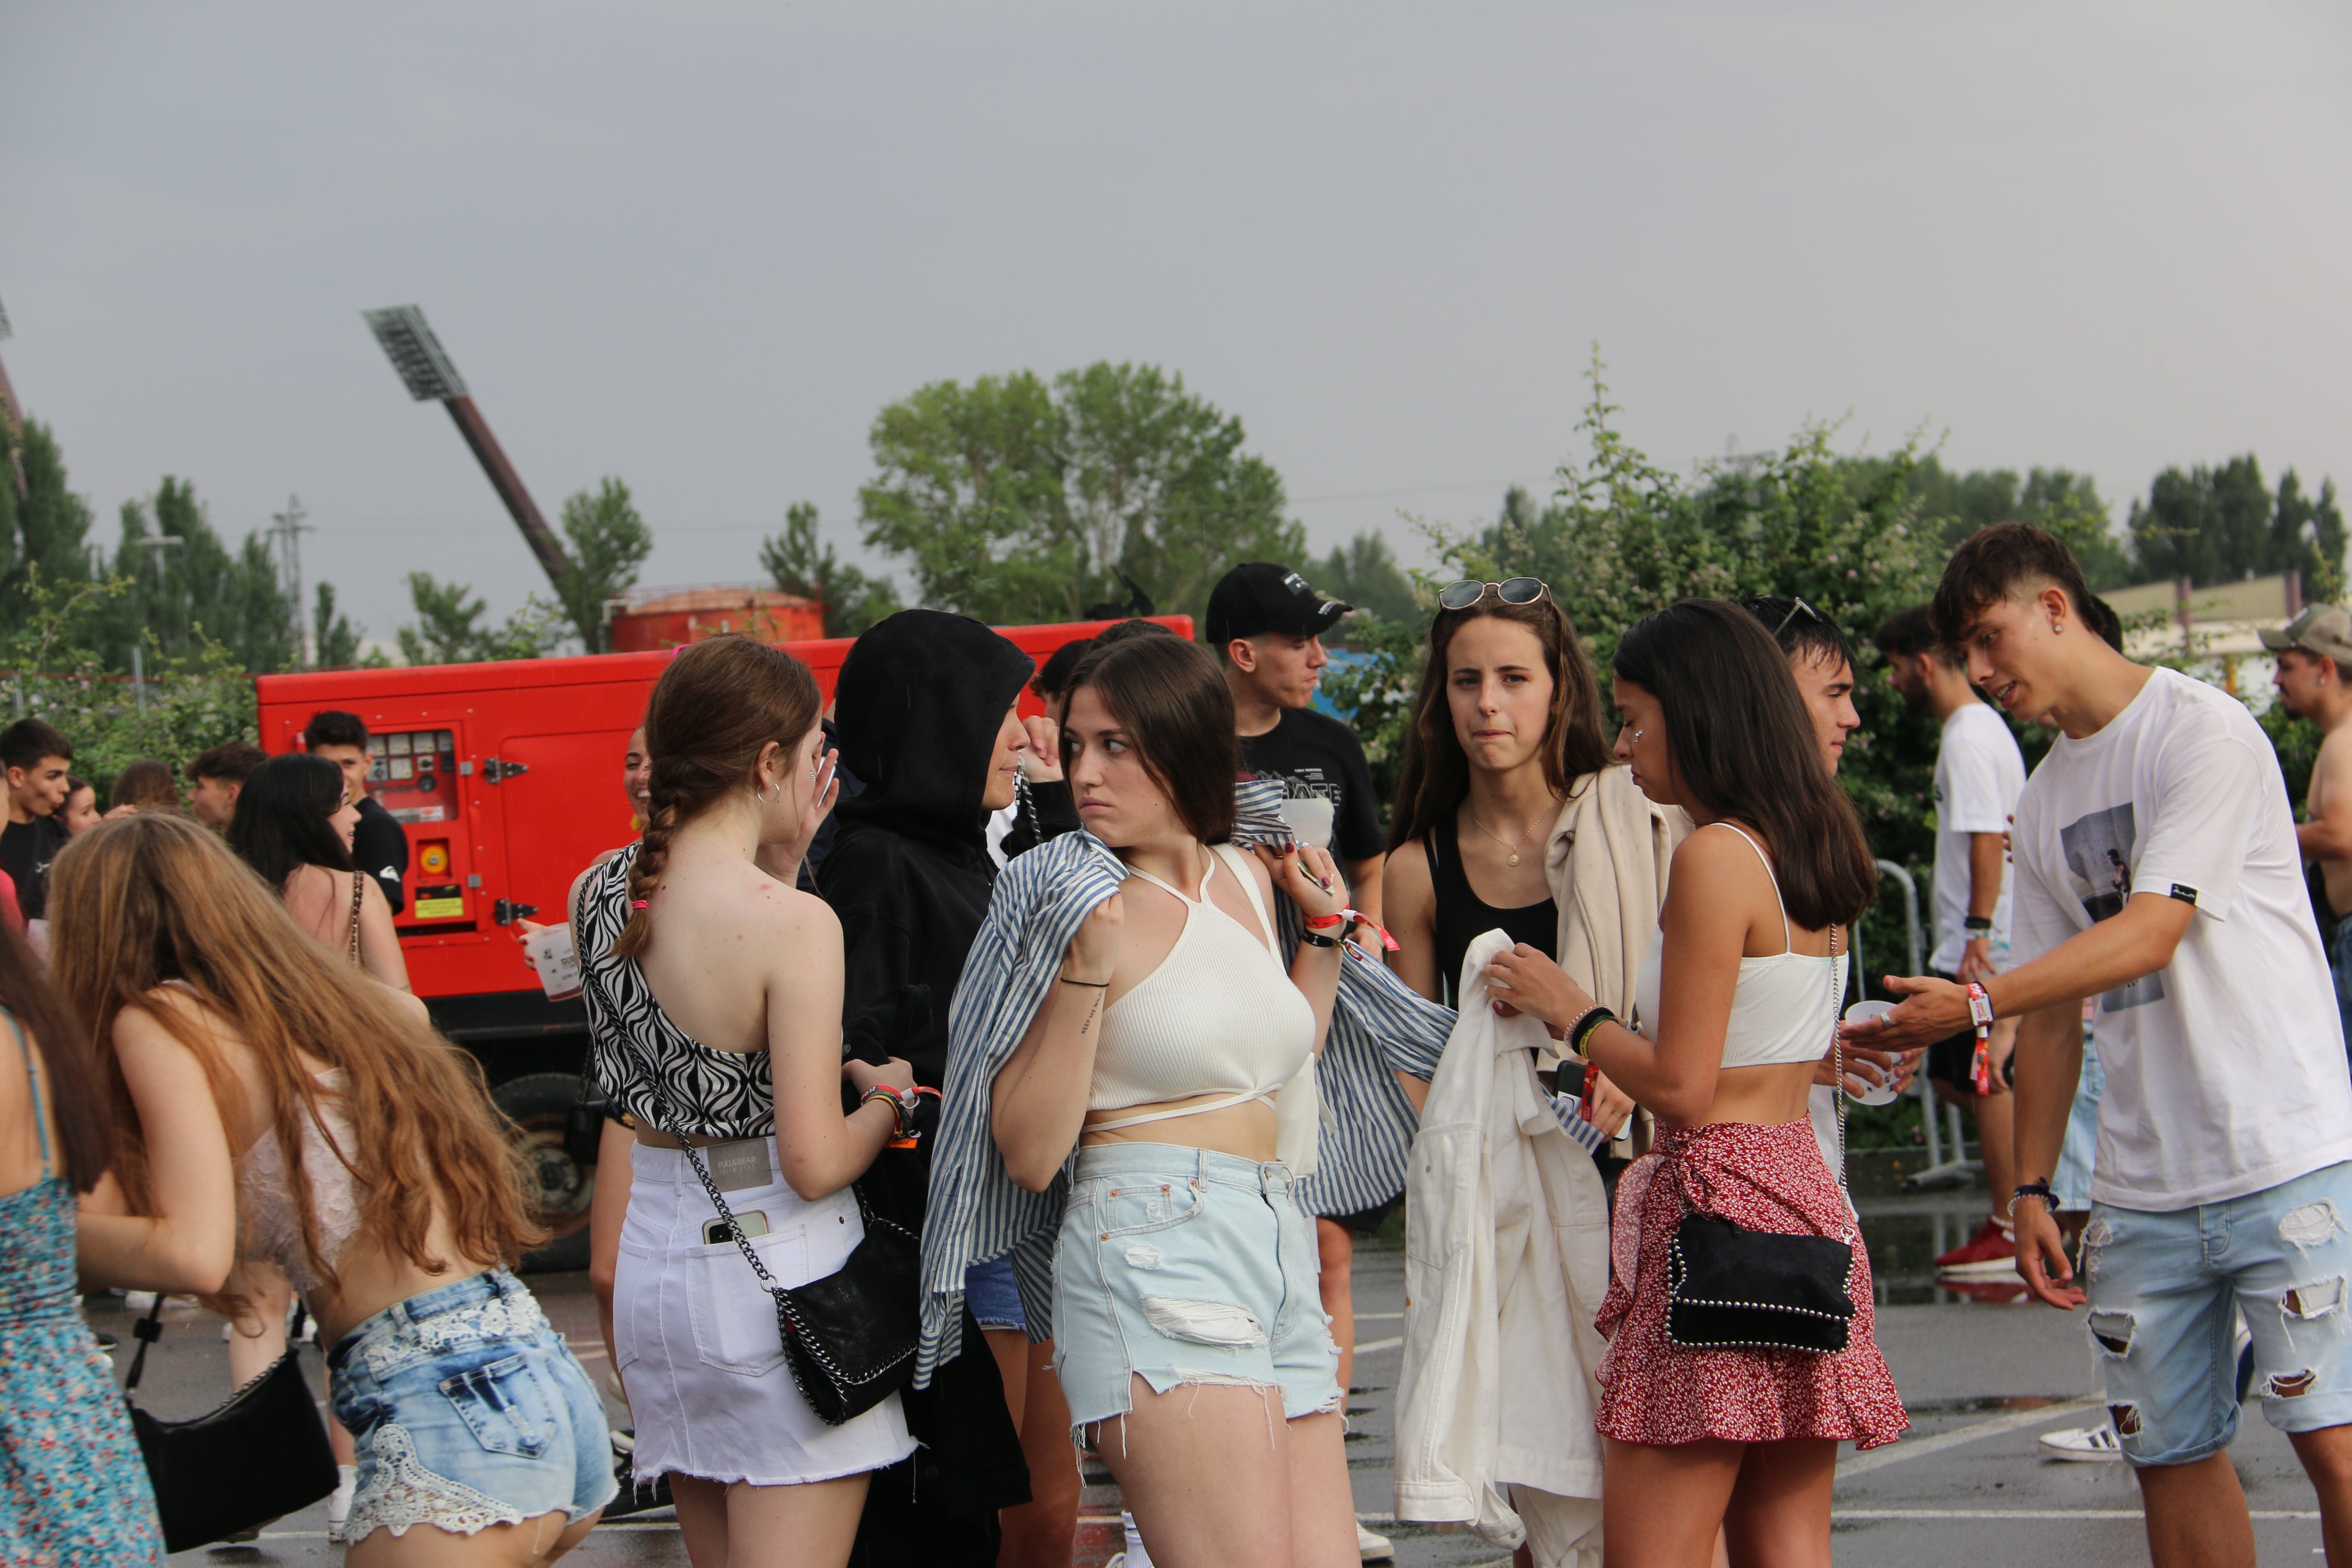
538	1103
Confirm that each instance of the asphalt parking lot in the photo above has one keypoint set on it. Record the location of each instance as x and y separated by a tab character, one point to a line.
1965	1487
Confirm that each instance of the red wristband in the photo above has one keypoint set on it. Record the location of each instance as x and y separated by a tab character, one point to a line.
1325	922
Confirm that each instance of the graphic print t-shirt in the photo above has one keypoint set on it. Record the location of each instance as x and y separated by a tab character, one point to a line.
1327	786
2226	1071
1980	772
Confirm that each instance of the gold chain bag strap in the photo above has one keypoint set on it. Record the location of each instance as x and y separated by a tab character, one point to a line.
359	891
1729	1288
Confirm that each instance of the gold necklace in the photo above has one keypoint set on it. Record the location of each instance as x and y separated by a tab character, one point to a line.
1498	838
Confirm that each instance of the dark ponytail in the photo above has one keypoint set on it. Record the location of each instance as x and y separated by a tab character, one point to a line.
713	712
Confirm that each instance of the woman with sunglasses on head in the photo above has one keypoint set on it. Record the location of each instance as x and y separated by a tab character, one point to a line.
1511	815
713	990
1737	998
1189	1338
264	1085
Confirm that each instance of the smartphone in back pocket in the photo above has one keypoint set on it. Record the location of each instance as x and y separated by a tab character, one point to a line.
753	1222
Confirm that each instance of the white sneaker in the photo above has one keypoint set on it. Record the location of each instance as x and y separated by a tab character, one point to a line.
2083	1444
339	1505
1373	1548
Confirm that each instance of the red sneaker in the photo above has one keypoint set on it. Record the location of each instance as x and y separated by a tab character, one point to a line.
1989	1253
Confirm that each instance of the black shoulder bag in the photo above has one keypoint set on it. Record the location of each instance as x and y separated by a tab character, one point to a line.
261	1456
1728	1287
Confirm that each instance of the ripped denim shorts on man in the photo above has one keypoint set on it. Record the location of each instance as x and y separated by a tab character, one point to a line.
468	1411
1179	1266
2162	1291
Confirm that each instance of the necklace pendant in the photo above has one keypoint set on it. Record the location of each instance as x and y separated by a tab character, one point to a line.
1514	859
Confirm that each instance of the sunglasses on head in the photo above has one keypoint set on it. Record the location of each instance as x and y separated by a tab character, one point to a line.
1795	605
1467	594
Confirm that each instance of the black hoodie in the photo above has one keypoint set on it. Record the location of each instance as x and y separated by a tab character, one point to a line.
918	705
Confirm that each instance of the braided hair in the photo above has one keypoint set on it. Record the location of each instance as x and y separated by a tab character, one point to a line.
714	711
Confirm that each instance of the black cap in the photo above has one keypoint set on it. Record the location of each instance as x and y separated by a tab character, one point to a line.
1260	596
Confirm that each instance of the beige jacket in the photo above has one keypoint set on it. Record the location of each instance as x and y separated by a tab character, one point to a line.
1607	859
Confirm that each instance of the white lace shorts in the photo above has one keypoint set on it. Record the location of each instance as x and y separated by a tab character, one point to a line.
696	1340
468	1411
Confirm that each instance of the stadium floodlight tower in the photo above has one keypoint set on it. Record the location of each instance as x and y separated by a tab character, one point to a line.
425	368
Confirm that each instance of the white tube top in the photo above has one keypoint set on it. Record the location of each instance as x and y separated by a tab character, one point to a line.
1783	1006
1218	1015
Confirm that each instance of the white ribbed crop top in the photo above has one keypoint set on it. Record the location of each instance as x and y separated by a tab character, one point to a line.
1781	1009
1219	1015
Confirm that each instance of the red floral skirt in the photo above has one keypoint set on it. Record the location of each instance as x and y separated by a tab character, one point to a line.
1656	1392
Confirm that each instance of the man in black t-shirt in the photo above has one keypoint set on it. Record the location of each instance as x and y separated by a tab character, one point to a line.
378	845
1265	627
39	761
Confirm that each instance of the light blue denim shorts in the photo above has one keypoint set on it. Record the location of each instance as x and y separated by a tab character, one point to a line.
468	1411
2164	1291
1178	1266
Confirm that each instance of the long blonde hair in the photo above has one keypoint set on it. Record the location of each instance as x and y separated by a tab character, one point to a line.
148	898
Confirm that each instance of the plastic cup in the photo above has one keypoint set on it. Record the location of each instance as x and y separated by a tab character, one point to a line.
1884	1094
558	965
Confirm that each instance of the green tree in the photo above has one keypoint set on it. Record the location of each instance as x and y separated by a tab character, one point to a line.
334	641
46	533
2208	524
609	542
1014	500
188	590
449	628
1955	505
800	564
1160	490
1366	574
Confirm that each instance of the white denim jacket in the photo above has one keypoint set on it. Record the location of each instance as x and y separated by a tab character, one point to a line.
1507	1257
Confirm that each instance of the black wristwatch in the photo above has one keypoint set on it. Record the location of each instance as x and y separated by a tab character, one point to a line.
1977	925
1316	938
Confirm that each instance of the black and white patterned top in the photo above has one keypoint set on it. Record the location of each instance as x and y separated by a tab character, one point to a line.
644	1064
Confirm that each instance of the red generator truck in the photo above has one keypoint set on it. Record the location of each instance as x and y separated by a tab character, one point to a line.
507	779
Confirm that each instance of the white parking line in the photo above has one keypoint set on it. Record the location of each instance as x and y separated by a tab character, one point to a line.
1920	1448
1380	1345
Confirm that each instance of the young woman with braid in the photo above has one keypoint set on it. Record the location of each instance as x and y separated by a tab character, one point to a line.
713	988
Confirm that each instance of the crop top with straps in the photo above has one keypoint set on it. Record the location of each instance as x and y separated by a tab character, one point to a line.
1219	1015
1783	1006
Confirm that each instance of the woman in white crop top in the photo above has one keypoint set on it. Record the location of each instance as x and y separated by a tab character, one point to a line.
364	1160
1188	1334
1737	1005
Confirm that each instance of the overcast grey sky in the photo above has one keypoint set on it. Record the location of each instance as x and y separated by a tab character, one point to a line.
700	244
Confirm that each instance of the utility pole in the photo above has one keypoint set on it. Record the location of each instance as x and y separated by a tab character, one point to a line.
425	368
290	531
13	413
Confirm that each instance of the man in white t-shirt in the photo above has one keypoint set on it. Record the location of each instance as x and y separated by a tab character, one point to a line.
2158	869
1980	772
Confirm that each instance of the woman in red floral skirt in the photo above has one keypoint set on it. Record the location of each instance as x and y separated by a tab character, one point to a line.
1735	1010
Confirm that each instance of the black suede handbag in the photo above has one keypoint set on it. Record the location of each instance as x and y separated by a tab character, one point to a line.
1729	1288
261	1456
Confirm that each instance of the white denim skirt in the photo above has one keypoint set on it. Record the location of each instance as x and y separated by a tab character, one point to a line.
695	1333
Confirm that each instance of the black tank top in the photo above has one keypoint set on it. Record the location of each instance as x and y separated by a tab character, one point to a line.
1463	917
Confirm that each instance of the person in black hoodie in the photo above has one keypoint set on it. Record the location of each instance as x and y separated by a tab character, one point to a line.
925	711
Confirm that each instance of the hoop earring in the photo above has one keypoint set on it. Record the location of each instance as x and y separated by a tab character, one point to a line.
764	798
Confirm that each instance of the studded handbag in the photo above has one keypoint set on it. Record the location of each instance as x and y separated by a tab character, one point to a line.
1729	1288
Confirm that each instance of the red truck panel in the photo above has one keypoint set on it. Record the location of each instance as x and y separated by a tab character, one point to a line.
506	778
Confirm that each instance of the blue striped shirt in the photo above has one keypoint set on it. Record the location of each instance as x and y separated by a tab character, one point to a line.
976	1213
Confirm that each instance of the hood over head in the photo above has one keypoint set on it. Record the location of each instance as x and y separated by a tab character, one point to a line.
918	705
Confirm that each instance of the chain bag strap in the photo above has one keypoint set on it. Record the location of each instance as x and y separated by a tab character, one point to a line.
359	888
1729	1288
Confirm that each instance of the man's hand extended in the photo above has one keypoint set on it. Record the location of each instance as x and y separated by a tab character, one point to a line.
2042	1258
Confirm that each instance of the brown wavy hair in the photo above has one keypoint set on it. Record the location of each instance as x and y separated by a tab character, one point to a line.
713	712
151	899
1433	776
70	1080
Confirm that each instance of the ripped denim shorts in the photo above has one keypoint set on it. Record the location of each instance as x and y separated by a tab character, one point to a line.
2165	1291
468	1412
1178	1266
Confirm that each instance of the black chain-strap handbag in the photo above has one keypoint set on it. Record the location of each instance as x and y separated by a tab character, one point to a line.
849	1338
261	1456
1729	1288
